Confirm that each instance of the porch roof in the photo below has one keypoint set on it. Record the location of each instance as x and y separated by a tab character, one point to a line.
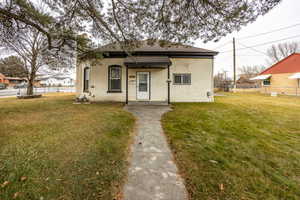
147	61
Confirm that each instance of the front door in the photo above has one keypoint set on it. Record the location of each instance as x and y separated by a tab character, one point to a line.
143	86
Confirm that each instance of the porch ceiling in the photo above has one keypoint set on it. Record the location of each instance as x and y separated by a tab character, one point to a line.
147	62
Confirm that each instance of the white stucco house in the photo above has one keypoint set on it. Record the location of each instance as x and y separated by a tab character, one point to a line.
153	73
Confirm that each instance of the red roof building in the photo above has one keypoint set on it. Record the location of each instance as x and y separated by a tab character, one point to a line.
290	64
282	77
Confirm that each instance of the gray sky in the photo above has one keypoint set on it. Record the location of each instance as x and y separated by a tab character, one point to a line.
287	13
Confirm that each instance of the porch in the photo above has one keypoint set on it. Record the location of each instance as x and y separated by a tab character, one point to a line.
147	80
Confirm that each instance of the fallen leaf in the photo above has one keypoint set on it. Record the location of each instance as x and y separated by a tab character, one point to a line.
23	178
221	186
5	184
16	195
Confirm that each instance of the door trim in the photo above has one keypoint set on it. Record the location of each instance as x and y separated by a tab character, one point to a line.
137	87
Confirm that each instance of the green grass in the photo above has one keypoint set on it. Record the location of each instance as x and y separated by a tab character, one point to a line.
243	146
64	151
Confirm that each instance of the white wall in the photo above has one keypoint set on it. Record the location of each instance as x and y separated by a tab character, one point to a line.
201	81
201	71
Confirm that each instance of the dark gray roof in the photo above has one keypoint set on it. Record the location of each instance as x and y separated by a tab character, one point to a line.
171	49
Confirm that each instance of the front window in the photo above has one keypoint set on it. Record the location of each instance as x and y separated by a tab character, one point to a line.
267	82
114	78
182	79
86	79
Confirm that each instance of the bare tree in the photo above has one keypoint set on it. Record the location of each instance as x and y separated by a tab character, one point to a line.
282	50
28	44
249	71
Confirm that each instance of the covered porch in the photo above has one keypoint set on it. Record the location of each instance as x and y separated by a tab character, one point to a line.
147	80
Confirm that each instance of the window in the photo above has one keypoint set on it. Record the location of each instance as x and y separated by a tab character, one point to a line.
114	78
182	79
267	82
86	79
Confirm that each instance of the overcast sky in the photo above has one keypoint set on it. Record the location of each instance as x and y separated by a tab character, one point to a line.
287	13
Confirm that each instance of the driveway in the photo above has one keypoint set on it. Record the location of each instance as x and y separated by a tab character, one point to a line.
153	174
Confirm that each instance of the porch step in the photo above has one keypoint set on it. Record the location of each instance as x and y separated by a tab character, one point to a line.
156	103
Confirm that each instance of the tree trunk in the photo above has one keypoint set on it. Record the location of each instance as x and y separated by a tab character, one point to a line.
30	87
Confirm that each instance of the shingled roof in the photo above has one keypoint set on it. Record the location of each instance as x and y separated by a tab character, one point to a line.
171	49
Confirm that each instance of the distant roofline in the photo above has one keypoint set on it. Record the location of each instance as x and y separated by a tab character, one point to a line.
274	65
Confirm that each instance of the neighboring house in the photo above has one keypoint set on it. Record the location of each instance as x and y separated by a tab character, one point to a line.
244	81
3	79
283	77
12	81
57	81
15	80
151	73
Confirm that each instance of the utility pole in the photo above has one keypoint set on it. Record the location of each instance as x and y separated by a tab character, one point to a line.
234	64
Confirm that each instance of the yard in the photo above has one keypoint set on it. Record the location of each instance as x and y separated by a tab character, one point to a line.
53	149
244	146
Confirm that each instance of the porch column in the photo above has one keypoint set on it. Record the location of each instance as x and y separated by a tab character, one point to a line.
126	84
168	84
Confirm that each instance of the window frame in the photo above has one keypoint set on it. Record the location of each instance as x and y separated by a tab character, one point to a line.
110	90
181	82
269	80
86	86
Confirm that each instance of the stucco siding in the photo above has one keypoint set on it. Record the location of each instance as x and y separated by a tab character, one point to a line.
158	84
201	71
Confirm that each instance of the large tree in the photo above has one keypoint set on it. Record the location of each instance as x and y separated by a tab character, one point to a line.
132	20
12	66
28	44
278	52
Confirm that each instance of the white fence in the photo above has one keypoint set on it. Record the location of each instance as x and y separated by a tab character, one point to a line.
41	90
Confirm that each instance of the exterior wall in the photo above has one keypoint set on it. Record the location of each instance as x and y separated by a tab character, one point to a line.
99	80
201	81
281	84
158	84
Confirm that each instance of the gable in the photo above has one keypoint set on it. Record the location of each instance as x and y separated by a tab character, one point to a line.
290	64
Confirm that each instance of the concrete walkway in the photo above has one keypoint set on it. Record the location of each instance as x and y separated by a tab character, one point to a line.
152	173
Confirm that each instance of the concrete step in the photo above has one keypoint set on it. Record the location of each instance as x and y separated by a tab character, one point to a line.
151	103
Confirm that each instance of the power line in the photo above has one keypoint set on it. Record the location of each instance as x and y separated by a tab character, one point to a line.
265	43
253	49
268	32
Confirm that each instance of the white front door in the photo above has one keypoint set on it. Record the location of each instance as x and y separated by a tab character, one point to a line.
143	86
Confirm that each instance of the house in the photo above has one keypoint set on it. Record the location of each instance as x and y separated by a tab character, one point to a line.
53	80
283	77
12	81
244	81
3	79
151	73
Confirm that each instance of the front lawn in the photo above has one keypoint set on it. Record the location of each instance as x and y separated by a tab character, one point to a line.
53	149
243	146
